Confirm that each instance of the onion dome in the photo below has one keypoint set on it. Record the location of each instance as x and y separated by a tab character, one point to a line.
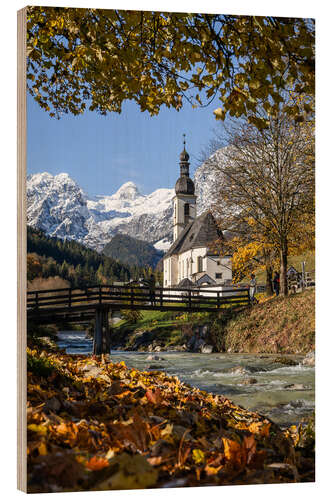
184	156
184	185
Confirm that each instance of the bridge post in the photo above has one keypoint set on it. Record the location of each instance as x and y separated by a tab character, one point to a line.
98	331
106	341
102	332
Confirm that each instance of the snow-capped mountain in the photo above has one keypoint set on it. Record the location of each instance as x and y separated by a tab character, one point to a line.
59	206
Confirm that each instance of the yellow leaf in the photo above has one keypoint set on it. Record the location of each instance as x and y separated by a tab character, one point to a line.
42	449
198	456
40	429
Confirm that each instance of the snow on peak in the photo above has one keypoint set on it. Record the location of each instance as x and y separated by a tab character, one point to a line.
128	191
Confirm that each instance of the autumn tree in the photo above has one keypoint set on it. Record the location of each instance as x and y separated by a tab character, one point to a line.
266	184
79	58
34	266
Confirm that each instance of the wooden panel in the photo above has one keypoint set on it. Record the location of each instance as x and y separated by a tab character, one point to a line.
21	253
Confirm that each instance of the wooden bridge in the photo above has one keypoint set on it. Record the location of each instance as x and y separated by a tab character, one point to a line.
68	305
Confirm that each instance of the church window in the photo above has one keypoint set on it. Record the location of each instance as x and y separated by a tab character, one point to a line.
218	276
200	267
186	213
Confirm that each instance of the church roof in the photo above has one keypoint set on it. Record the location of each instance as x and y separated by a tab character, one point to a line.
185	283
201	232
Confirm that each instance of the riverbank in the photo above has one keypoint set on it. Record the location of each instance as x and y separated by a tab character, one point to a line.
94	424
275	325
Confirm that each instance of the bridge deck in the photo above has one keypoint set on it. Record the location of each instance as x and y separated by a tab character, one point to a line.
72	302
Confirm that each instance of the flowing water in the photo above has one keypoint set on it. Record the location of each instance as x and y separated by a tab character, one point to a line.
285	394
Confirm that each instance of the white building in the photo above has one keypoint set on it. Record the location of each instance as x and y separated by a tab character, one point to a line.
192	258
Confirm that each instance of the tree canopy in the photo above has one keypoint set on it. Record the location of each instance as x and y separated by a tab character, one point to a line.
97	59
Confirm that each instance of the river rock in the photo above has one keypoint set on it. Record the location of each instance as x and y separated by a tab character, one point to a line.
206	349
155	367
204	330
199	342
238	370
242	370
154	357
285	361
295	387
180	348
249	381
310	359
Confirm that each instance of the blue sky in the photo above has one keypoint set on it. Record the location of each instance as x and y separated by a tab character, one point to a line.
101	153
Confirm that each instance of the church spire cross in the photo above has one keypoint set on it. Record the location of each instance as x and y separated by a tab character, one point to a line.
184	156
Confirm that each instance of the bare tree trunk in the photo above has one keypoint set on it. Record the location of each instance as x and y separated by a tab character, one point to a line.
269	278
283	268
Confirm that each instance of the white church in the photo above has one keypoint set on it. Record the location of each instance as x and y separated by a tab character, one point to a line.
191	260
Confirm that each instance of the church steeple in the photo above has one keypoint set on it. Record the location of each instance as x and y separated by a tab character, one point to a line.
185	199
184	184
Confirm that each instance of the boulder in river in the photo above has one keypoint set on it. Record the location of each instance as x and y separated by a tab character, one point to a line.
310	359
154	357
238	370
249	381
242	370
206	349
285	361
296	387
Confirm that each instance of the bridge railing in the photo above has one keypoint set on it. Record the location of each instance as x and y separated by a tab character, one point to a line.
133	297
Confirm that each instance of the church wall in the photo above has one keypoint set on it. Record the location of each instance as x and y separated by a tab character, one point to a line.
178	212
166	272
170	271
189	262
219	265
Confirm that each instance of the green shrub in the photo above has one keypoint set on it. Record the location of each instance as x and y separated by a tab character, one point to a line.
39	366
132	316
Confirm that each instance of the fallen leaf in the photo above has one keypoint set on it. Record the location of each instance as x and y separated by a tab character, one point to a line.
198	456
154	396
97	463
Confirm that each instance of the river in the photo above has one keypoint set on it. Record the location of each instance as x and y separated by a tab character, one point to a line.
285	394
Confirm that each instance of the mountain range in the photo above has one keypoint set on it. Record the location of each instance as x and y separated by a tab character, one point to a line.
57	205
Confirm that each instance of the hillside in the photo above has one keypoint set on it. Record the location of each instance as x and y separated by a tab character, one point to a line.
281	325
72	261
132	251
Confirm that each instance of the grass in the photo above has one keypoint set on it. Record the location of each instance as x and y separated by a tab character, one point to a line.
281	325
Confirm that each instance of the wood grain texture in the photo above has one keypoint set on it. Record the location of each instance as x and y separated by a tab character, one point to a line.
21	253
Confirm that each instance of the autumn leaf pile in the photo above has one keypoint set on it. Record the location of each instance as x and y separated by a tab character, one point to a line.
97	425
